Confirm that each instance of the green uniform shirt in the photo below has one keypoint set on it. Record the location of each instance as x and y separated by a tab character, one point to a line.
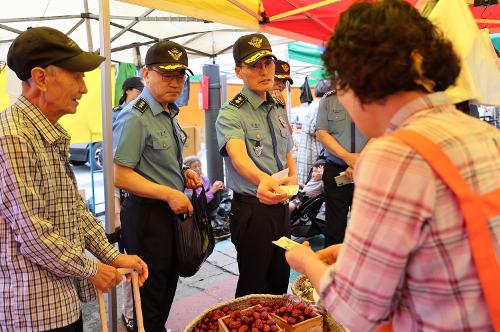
145	138
333	118
245	118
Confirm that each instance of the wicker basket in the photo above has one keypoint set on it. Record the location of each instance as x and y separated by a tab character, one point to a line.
246	301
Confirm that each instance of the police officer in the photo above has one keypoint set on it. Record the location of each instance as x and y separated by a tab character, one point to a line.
281	77
148	164
342	142
131	89
253	136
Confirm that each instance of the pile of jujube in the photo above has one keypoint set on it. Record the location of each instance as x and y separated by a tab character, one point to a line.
292	312
256	319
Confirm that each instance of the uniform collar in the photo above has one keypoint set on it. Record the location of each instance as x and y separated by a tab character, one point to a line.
423	103
52	132
255	100
155	106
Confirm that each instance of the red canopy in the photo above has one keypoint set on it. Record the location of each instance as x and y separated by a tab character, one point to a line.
318	23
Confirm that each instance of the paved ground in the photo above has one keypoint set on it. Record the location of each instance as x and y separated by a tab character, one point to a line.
214	283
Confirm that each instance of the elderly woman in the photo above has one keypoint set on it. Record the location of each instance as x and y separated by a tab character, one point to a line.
408	256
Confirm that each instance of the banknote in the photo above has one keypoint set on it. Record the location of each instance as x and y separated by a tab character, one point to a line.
286	243
291	190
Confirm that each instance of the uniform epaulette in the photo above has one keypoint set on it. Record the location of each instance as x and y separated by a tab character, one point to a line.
117	108
238	100
329	93
141	105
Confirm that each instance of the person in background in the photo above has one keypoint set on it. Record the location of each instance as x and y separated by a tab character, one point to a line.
213	193
407	254
281	77
254	139
342	141
45	226
132	88
308	147
312	189
147	146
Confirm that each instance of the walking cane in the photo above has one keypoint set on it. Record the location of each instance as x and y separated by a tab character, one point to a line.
137	302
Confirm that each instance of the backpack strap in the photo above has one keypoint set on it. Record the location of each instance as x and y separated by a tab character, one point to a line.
476	210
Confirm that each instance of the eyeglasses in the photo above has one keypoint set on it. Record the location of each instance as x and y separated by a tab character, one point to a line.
262	64
180	78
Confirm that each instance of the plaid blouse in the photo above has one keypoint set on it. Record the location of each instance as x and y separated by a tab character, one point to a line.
45	226
406	254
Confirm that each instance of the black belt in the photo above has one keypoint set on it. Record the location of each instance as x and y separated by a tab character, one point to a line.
144	200
246	198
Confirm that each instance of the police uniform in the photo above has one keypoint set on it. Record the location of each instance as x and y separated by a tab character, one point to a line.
333	118
149	140
263	126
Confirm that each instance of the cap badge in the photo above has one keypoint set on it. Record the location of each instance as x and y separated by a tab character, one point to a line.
285	67
256	42
175	54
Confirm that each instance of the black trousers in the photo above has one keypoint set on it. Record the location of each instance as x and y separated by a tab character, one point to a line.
148	231
262	265
74	327
338	202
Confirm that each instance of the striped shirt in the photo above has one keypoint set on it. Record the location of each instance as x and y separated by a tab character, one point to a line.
406	254
45	226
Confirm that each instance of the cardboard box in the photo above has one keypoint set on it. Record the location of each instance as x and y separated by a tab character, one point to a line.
224	328
314	324
193	141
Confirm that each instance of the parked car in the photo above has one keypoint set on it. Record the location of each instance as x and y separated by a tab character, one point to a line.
79	154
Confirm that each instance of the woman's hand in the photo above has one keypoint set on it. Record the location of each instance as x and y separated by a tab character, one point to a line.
329	255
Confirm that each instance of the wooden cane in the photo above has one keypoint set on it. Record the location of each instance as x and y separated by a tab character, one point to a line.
137	301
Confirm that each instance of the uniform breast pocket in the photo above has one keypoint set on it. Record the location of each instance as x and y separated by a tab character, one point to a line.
161	143
336	122
255	142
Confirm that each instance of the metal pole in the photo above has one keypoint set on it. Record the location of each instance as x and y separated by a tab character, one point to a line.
214	160
104	33
87	26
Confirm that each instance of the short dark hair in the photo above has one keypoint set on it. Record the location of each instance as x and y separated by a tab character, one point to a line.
371	50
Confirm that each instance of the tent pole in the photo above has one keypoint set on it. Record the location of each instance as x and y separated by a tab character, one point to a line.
104	36
134	22
87	26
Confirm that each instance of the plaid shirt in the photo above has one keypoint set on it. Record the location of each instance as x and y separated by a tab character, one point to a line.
45	226
406	253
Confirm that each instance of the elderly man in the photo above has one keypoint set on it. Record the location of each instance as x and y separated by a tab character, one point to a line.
45	226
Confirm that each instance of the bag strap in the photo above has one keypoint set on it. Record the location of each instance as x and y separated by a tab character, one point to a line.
476	210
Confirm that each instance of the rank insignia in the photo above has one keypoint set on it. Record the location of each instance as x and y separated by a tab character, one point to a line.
238	100
141	105
285	67
257	149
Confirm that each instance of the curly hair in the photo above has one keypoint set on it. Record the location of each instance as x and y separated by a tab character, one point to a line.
372	51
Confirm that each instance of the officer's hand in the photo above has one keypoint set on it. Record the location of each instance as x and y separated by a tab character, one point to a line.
351	159
278	96
179	203
133	262
106	278
192	179
269	192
